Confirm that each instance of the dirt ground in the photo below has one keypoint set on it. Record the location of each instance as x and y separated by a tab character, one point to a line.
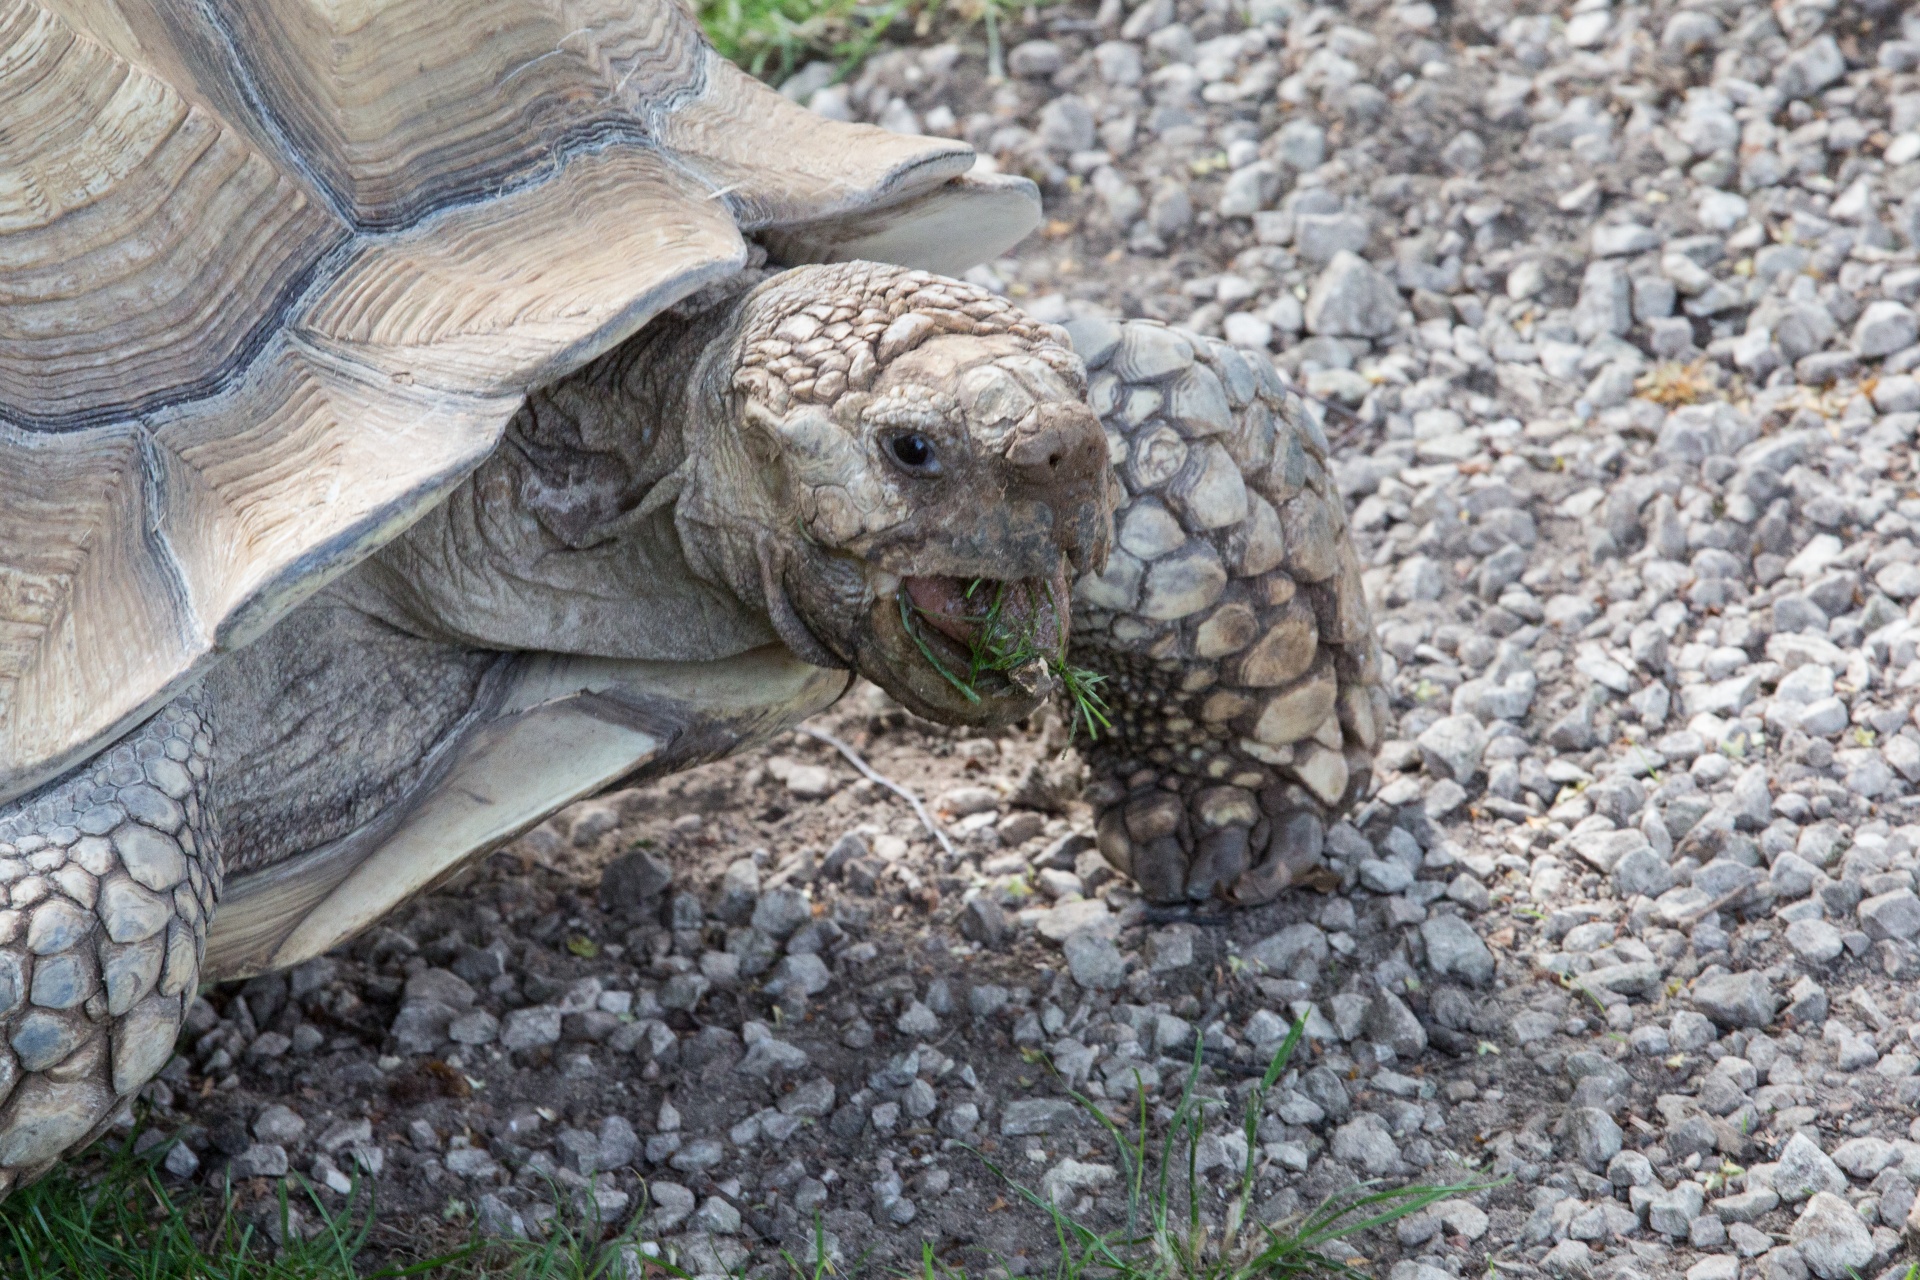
912	1002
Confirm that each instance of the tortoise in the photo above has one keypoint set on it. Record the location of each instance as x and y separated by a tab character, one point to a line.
416	418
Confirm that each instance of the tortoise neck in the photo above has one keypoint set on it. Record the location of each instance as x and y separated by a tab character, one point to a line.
568	538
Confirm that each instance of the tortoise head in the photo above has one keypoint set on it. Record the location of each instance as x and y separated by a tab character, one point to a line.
922	472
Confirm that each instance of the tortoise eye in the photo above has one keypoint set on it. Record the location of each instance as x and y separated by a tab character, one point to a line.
915	452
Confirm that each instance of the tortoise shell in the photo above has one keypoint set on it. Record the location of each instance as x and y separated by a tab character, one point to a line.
275	274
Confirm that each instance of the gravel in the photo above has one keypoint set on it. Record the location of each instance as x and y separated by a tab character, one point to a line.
1607	316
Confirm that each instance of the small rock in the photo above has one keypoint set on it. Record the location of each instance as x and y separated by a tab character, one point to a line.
1894	915
1168	949
811	1098
1672	1212
1736	999
1066	1180
1094	961
1569	1258
472	1162
1884	328
805	974
1832	1237
634	880
767	1055
672	1204
1384	876
1690	1031
1366	1143
983	922
531	1028
917	1020
1024	1117
1453	746
261	1160
809	781
1747	1206
180	1161
474	1027
1803	1170
1814	941
1454	948
1391	1023
421	1026
1351	299
717	1216
780	911
279	1124
964	802
495	1219
1592	1137
1721	1266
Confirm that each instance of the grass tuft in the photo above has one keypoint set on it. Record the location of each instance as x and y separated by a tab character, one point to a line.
773	38
769	37
121	1221
1162	1240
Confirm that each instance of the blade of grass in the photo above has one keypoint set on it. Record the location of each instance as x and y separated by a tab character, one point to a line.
995	646
1213	1249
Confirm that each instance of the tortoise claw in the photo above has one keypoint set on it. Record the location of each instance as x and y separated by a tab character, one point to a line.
1243	863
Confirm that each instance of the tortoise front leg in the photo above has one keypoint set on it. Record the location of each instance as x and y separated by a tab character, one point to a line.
111	873
1230	624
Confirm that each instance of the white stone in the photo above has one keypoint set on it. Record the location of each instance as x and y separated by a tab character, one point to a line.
1832	1238
1884	328
1803	1169
1352	299
1721	210
1814	940
1249	330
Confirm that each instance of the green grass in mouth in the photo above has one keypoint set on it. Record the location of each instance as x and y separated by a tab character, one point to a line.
997	643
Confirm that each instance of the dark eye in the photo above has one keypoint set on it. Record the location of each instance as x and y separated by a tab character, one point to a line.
915	452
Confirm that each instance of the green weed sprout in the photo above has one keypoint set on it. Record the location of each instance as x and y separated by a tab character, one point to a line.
124	1224
1160	1243
769	38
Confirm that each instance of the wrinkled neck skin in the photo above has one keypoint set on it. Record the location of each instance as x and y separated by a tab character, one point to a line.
596	527
740	526
592	531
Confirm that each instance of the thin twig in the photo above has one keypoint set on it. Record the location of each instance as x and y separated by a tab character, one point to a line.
1723	900
1188	915
867	771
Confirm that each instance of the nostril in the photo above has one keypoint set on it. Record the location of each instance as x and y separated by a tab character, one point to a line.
1055	441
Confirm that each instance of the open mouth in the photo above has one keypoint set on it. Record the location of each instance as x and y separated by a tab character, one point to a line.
999	637
985	614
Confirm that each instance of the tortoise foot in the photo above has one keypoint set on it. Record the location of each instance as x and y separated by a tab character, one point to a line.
101	955
1219	843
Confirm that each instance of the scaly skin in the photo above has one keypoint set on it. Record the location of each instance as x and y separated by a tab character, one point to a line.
1230	623
111	874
